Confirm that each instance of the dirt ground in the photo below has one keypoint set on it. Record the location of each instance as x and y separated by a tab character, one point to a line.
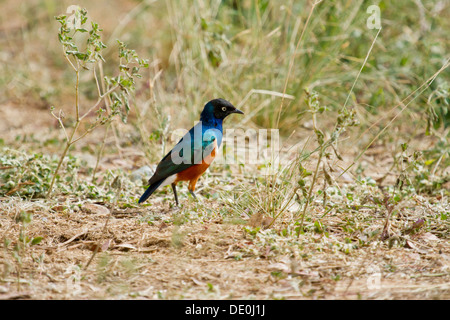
145	253
200	261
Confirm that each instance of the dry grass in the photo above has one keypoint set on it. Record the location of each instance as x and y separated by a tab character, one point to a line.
209	258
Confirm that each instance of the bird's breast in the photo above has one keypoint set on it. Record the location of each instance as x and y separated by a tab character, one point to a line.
196	170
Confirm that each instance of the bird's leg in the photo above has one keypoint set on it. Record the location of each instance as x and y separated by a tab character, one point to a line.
191	187
193	194
174	188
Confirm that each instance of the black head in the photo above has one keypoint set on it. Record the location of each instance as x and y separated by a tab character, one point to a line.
219	108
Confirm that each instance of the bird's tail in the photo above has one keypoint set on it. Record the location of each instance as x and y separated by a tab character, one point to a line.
150	190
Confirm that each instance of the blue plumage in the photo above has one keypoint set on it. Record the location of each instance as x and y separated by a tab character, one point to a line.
194	147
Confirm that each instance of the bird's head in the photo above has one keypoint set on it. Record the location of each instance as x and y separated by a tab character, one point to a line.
219	109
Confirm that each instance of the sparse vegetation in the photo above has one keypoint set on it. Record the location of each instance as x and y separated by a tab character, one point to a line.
356	205
113	92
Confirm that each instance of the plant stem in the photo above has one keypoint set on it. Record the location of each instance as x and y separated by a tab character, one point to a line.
100	151
310	190
70	139
57	169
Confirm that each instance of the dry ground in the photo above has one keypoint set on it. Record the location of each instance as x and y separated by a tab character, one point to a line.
198	261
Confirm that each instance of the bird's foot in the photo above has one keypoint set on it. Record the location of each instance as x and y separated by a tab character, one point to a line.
193	194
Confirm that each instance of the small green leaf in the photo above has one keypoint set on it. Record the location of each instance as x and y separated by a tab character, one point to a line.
404	146
36	240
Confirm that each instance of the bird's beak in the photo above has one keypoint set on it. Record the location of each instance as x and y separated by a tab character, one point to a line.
237	111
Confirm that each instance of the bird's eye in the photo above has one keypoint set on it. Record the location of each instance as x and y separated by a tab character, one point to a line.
224	108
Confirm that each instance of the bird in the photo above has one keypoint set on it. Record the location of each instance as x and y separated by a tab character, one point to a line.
193	154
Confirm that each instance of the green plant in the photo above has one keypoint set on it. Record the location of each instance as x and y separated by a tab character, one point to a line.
113	92
345	119
29	175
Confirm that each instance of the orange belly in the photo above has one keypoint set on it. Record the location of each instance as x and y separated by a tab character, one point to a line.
192	174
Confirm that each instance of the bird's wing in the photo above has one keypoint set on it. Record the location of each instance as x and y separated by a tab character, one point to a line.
184	155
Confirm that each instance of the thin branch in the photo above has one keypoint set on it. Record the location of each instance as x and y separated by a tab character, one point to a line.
308	200
61	123
70	62
99	100
360	70
95	125
100	151
96	82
